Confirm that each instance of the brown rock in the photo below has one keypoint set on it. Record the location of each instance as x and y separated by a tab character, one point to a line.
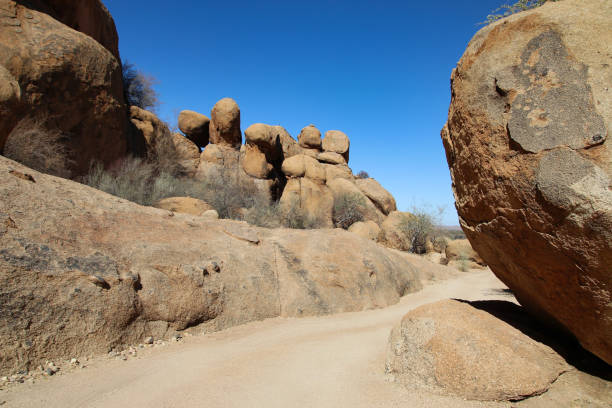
289	145
304	166
304	197
340	187
526	143
184	271
393	231
310	137
381	198
188	154
461	348
184	205
225	124
369	230
331	158
254	162
337	171
195	126
337	142
461	250
72	83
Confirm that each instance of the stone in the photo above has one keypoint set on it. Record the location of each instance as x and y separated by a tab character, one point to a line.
187	153
184	205
195	126
310	137
254	162
340	187
265	273
337	171
464	349
331	158
68	81
315	201
368	230
225	124
461	250
382	199
393	231
304	166
148	340
211	215
337	142
526	144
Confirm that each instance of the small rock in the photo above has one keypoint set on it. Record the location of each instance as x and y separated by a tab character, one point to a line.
74	361
49	372
149	340
177	337
4	379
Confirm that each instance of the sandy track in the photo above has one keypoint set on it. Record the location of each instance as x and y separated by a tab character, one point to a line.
331	361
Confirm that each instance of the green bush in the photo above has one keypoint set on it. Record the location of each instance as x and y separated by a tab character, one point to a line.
348	209
507	9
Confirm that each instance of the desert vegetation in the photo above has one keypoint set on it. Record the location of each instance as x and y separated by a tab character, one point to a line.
508	9
138	87
348	209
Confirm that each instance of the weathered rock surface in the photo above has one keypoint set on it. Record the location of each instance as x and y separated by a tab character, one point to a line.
187	153
331	158
461	348
68	81
82	271
369	230
195	126
313	200
377	194
393	231
341	186
225	124
310	137
461	250
304	166
526	143
184	205
337	142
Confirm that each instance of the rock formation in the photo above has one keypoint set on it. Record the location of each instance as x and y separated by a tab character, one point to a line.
461	250
195	126
72	84
461	348
526	143
225	124
82	271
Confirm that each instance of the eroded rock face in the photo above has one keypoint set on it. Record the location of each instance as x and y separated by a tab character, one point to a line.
225	124
195	126
67	80
460	348
526	143
82	271
377	194
337	142
184	205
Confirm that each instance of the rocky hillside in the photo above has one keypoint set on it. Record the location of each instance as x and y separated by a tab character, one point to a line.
527	145
82	271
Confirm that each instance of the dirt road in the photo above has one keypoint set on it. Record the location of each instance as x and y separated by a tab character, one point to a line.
332	361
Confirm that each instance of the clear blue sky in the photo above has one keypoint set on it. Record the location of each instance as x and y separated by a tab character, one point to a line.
377	70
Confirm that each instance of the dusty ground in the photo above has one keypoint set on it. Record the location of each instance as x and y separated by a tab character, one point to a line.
332	361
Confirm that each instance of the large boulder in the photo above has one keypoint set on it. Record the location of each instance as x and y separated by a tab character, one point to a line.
304	166
306	198
82	271
195	126
459	348
394	231
526	143
342	187
69	81
461	250
225	124
337	142
377	194
368	230
310	137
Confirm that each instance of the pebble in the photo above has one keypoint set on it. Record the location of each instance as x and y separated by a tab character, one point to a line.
149	340
74	361
177	337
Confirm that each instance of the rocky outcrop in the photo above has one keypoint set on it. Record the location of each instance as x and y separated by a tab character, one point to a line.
225	124
310	137
336	141
195	126
369	230
460	348
82	271
184	205
69	83
393	231
343	187
377	194
461	250
526	143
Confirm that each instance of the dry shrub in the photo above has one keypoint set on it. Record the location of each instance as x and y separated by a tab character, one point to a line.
420	227
41	149
363	174
348	209
294	216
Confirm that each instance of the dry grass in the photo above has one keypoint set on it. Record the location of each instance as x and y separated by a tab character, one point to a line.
348	209
41	149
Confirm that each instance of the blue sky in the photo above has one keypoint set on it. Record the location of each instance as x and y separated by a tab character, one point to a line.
377	70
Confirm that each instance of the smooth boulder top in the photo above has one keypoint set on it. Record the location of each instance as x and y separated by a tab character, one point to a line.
225	123
379	196
337	142
464	349
310	137
527	145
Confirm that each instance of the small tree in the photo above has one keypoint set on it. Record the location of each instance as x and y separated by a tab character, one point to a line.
138	88
419	227
348	209
363	174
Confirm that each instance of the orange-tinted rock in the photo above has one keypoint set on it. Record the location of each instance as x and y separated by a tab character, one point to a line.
526	143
